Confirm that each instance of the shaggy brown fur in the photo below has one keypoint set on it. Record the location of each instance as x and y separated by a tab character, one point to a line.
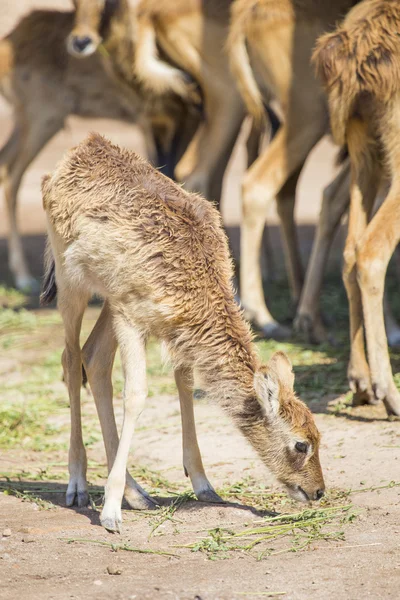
159	257
44	85
359	67
358	59
270	44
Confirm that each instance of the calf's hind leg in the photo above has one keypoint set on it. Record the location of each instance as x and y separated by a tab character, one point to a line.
133	357
192	462
98	357
72	306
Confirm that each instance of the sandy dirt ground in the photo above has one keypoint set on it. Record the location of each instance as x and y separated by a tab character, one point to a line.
354	554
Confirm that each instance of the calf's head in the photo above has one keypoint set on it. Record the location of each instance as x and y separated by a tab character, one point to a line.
284	433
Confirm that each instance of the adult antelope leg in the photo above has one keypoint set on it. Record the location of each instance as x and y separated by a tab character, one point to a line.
364	186
98	357
132	346
335	201
192	462
31	139
203	164
262	183
285	201
373	254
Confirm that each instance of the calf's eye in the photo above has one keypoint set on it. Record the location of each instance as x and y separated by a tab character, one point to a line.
301	447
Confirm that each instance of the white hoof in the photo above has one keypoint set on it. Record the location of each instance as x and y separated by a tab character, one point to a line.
111	517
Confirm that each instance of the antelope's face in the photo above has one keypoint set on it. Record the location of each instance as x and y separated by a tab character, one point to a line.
92	19
288	439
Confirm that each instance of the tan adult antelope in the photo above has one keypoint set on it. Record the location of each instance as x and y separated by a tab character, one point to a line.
164	42
159	258
270	46
45	84
359	66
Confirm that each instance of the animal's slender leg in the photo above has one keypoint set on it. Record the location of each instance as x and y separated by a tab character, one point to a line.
71	305
98	357
286	199
362	196
217	171
9	152
131	342
192	462
32	139
335	201
263	181
203	164
373	254
253	146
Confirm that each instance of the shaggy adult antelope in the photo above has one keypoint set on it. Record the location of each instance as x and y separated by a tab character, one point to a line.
45	84
159	258
270	45
359	66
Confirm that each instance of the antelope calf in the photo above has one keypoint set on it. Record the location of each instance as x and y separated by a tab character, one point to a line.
159	258
359	66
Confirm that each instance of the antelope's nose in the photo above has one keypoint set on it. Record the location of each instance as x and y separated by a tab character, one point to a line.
80	43
319	494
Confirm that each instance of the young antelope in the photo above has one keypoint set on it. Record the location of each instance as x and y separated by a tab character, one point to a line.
159	257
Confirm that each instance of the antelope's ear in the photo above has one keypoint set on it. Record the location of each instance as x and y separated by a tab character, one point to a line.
267	391
280	368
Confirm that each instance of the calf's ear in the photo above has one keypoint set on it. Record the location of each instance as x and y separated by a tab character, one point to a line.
280	368
267	391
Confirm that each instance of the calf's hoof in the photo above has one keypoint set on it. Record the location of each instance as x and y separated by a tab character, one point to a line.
111	518
139	499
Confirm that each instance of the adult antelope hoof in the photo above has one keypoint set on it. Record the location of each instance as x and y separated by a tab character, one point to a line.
391	400
139	499
27	284
209	495
76	496
273	331
311	330
360	385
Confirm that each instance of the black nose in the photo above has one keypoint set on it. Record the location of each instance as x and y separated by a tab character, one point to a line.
319	494
80	43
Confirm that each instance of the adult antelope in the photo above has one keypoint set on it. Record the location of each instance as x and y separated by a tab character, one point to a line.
45	84
270	45
358	65
165	42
